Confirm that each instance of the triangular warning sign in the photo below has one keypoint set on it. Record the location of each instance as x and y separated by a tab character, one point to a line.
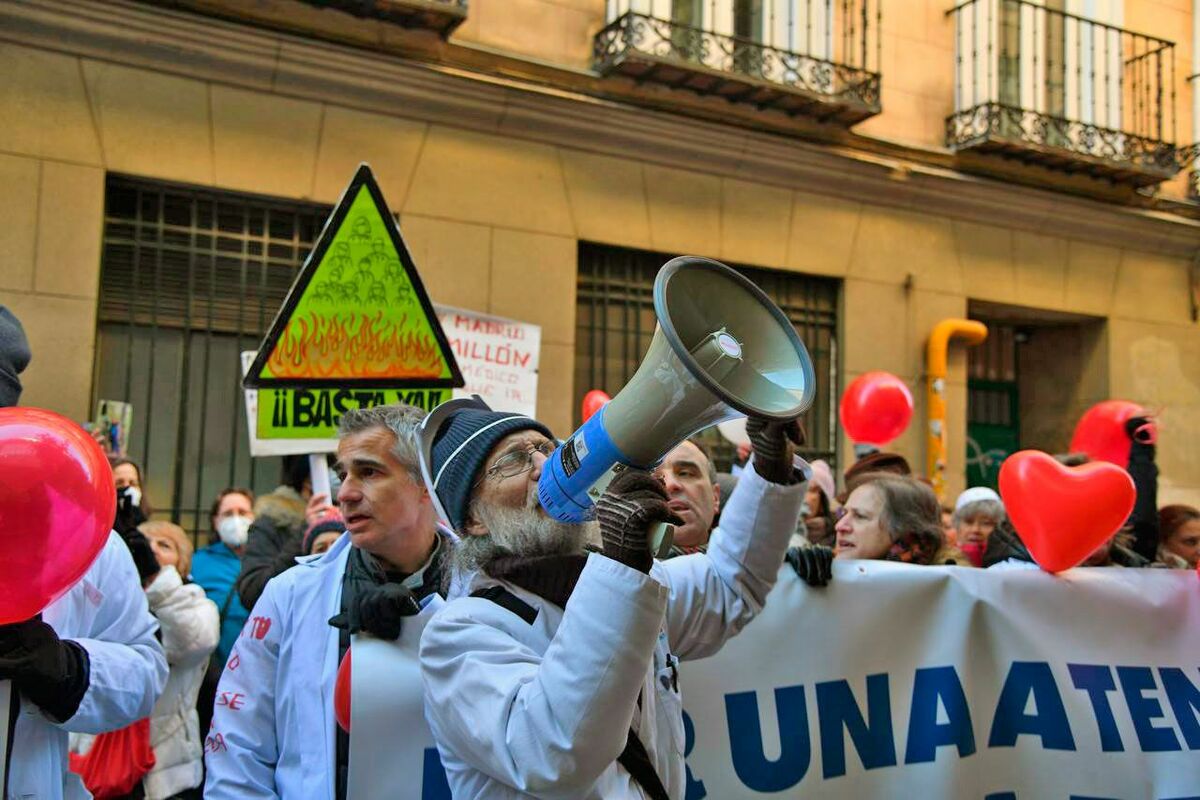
357	314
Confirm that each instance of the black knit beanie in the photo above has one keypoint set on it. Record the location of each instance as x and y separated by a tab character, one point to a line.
461	448
14	357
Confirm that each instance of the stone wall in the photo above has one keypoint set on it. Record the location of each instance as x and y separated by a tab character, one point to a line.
494	221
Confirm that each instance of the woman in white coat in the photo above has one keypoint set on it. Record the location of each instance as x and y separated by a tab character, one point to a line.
191	628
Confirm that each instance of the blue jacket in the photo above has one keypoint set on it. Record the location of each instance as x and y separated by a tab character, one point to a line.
215	569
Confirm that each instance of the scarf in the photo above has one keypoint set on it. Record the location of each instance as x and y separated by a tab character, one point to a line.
552	578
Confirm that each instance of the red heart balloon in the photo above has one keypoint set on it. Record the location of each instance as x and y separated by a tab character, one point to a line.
57	505
876	408
341	694
1101	434
593	401
1064	513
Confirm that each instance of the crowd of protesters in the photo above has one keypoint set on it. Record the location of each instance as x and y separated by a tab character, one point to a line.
140	678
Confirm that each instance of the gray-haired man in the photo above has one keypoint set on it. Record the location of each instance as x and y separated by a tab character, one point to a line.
273	731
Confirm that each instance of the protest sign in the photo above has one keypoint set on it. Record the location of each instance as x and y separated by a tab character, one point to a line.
949	682
907	681
498	358
357	314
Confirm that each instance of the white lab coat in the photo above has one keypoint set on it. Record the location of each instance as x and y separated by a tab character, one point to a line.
273	732
190	625
105	613
544	709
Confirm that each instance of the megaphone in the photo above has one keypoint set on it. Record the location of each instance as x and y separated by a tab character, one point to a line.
721	350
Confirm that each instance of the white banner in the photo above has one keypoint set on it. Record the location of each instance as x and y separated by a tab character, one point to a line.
904	681
898	681
498	358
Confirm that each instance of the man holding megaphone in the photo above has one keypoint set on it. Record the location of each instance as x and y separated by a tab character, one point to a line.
554	672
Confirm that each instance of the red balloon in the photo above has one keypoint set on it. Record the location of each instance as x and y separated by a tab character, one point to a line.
876	408
1100	432
1064	513
57	506
593	401
341	694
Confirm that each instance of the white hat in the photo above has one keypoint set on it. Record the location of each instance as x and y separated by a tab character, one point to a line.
974	495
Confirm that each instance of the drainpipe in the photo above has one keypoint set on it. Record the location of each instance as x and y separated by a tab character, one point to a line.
971	332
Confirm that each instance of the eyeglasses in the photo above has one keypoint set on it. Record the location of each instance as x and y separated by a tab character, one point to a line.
518	462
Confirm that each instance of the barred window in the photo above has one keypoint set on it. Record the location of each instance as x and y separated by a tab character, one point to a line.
615	322
189	278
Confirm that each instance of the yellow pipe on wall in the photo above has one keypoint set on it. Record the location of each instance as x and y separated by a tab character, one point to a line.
971	332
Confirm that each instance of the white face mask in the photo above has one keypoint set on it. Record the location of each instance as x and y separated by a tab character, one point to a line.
233	531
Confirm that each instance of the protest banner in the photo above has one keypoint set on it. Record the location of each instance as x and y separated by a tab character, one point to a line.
498	358
907	681
904	681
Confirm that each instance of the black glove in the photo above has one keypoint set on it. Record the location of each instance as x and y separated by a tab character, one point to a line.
143	555
1141	430
635	500
380	611
51	672
129	514
774	445
814	564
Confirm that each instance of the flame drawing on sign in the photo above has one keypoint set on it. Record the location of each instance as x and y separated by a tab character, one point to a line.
354	346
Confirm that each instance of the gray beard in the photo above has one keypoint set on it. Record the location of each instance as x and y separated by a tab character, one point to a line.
520	532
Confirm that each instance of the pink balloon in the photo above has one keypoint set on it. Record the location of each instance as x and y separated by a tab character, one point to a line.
57	505
876	408
1100	432
593	401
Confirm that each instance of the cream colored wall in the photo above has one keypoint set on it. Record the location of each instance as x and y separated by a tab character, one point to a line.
494	224
917	56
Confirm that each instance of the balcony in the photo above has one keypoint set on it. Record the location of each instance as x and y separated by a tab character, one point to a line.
1072	94
440	16
810	58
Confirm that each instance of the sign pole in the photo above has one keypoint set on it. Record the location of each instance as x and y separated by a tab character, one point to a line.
318	471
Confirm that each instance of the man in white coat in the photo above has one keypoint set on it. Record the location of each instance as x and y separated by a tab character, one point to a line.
90	664
556	677
273	732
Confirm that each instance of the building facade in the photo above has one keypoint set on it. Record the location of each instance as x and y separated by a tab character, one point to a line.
877	165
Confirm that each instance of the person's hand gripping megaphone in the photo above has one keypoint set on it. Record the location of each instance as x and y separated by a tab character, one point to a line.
632	507
775	446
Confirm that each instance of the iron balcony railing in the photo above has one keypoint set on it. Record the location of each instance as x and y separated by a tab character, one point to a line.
1071	93
817	58
442	16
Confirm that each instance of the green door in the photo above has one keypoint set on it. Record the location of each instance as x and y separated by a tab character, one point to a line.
993	429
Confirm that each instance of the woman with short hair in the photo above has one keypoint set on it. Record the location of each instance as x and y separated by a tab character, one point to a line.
977	513
893	518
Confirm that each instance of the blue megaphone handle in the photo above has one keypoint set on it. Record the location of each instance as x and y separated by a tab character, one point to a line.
575	467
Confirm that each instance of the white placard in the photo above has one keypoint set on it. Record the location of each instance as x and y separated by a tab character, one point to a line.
498	358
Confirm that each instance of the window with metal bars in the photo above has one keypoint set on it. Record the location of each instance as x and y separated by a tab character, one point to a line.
188	279
614	322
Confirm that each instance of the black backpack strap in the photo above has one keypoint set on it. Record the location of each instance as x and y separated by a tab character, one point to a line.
637	763
508	601
634	757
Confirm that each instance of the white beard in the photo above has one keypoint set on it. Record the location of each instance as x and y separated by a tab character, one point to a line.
520	532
